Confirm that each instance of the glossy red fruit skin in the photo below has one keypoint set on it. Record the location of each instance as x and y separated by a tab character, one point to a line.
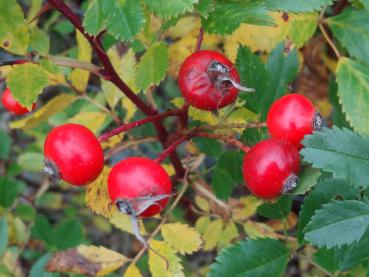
290	118
137	177
12	105
196	85
76	152
267	165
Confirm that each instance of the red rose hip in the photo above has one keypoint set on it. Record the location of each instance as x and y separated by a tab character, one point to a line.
139	187
12	105
209	81
73	153
292	117
270	168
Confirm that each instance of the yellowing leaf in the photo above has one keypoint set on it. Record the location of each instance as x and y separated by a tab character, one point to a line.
97	198
88	260
185	25
132	271
202	203
52	107
303	27
202	224
130	108
78	76
203	116
114	140
123	222
229	233
247	207
262	38
258	230
157	264
181	237
212	234
169	169
91	120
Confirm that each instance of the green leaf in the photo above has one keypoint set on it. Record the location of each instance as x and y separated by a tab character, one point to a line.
208	146
297	6
38	269
338	117
348	218
124	21
231	162
9	189
277	210
204	7
25	212
261	257
356	253
94	19
329	259
26	82
152	66
3	235
324	191
342	152
14	36
307	180
170	8
253	74
31	161
222	184
67	234
353	87
303	28
39	41
228	16
282	70
349	27
42	230
5	144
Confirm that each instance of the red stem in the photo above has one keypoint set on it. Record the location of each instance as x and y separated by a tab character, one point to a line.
111	75
126	127
199	40
171	148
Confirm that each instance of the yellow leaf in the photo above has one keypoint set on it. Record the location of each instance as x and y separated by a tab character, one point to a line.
279	225
78	76
181	237
57	104
130	108
248	207
10	260
185	25
177	102
212	234
169	169
123	222
258	38
157	264
202	203
203	116
91	120
202	224
114	140
229	233
97	198
87	260
258	230
132	271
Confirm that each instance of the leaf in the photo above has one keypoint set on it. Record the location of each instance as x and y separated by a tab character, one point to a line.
261	257
79	77
278	210
181	237
353	85
97	198
124	19
297	6
303	27
157	264
14	36
222	183
3	235
26	82
42	230
348	218
94	19
67	234
349	27
307	180
152	66
228	16
247	207
229	233
31	161
132	271
9	189
329	259
5	145
256	230
282	69
91	120
54	106
123	222
89	260
231	162
170	8
38	269
212	234
324	191
338	117
208	146
254	74
39	41
341	152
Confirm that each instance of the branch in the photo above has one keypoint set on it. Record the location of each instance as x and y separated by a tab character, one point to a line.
199	40
226	139
326	36
231	126
172	148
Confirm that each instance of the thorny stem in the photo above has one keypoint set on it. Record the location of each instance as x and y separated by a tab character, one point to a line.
111	75
326	36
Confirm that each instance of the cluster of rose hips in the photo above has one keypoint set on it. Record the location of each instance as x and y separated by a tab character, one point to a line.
140	187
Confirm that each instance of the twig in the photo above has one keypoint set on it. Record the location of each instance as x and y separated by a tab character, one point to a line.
103	108
199	40
231	126
171	148
226	139
326	36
